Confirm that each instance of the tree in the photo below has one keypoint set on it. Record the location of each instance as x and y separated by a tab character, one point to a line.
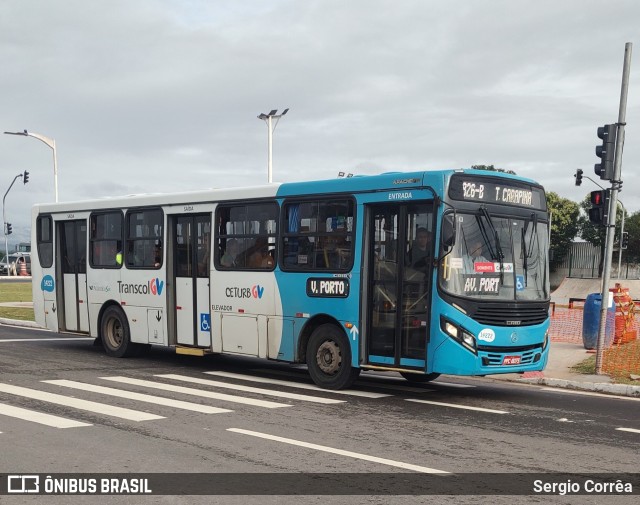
632	225
564	225
492	169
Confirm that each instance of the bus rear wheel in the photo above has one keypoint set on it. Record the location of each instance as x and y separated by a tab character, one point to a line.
417	377
329	358
115	334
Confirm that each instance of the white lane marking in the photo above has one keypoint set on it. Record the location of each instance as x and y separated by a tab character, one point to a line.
67	401
630	430
158	400
299	385
197	392
39	417
249	389
434	382
379	385
563	420
464	407
590	393
44	339
340	452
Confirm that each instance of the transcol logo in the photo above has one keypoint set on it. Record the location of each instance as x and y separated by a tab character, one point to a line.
153	287
47	284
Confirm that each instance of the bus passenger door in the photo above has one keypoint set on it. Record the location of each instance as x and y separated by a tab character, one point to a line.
72	263
398	280
192	249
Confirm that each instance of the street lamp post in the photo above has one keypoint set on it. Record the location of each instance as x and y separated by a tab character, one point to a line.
52	144
271	126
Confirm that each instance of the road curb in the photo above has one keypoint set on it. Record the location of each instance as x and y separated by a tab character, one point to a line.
594	387
18	322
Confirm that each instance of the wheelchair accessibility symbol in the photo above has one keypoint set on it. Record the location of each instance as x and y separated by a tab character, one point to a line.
520	283
205	322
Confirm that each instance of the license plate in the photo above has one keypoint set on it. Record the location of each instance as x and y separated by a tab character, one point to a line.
511	360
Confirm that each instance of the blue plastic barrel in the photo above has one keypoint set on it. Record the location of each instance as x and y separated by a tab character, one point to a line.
591	322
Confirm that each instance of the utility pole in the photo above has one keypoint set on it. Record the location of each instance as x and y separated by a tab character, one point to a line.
613	205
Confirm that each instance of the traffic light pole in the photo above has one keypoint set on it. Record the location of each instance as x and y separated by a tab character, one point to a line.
613	205
4	220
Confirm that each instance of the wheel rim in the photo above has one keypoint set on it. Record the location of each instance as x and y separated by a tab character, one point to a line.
114	333
329	357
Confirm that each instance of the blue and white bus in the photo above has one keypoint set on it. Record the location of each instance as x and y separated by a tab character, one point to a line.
326	273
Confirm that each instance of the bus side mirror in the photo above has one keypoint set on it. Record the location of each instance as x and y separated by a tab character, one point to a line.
448	232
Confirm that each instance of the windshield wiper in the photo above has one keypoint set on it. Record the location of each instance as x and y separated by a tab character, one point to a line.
483	231
534	234
498	254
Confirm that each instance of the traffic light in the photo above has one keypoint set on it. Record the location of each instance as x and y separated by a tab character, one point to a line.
606	152
9	229
578	177
599	207
25	177
624	243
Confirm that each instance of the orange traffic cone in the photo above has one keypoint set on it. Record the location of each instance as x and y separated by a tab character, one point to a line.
23	268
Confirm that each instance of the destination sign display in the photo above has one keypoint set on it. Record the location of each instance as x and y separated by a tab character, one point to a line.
506	192
328	287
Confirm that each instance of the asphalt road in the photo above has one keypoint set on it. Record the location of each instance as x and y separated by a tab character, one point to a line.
250	421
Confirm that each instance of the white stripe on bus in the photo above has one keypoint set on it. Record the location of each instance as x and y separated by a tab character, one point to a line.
299	385
67	401
340	452
158	400
454	406
249	389
44	339
196	392
39	417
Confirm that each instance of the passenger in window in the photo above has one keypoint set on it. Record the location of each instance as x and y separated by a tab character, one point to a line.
418	255
260	258
230	255
203	257
157	254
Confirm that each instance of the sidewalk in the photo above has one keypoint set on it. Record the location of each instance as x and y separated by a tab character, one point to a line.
558	373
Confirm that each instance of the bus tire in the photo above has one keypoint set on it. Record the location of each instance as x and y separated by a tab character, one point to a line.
329	358
416	377
115	334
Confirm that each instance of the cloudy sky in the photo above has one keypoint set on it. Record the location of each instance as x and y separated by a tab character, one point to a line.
147	96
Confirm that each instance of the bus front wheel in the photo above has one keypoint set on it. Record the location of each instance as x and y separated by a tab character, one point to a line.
417	377
115	334
329	358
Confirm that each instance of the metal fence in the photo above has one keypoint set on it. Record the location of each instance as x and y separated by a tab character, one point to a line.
583	261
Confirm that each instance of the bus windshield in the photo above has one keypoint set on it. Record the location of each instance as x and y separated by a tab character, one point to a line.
497	258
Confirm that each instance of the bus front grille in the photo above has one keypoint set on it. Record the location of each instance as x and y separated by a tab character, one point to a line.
504	315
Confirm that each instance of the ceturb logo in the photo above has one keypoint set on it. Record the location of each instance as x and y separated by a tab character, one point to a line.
153	287
255	291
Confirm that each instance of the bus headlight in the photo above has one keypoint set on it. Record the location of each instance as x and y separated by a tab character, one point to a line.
546	339
459	334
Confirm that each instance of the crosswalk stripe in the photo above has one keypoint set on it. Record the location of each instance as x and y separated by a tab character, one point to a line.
249	389
464	407
158	400
67	401
39	417
300	385
197	392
